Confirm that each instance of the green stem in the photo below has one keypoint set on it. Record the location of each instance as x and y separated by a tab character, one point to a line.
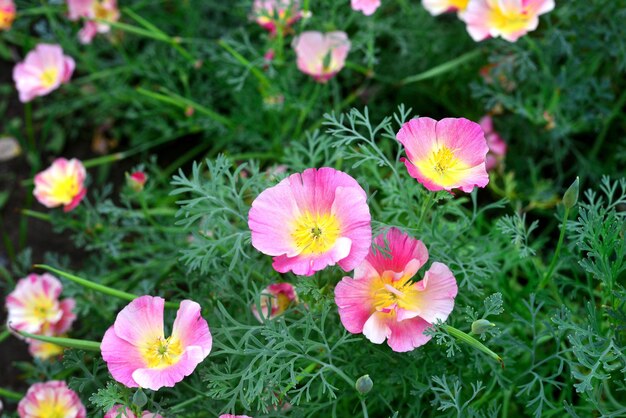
182	405
304	373
555	257
442	68
468	339
64	342
4	335
607	124
30	132
9	394
425	208
263	80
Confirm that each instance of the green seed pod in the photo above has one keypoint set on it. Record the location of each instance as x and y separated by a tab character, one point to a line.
570	198
364	384
481	326
140	399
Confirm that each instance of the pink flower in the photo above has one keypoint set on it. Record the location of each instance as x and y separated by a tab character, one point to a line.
509	19
121	411
90	10
368	7
437	7
51	399
383	302
271	14
61	184
136	180
233	416
139	355
43	71
312	220
446	154
497	146
321	55
7	14
275	299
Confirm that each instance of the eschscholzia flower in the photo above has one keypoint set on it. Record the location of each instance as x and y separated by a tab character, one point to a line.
51	399
275	299
90	10
437	7
234	416
321	55
43	70
272	14
120	411
384	303
368	7
509	19
497	146
139	355
136	180
312	220
62	184
7	14
446	154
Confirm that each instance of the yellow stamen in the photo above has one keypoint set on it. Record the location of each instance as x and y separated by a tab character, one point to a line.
50	407
459	4
443	167
509	21
162	352
316	233
49	77
389	294
64	189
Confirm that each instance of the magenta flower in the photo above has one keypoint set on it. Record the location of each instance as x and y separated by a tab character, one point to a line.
137	180
43	70
384	303
437	7
321	55
90	10
368	7
139	355
62	184
497	146
275	299
120	411
270	14
7	14
51	399
312	220
509	19
446	154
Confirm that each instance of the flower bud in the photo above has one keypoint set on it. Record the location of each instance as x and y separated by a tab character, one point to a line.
140	399
570	198
481	326
137	180
364	384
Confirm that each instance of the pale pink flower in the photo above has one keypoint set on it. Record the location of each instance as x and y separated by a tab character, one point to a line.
275	299
136	180
139	355
62	184
446	154
437	7
93	11
509	19
368	7
234	416
497	146
7	14
384	303
312	220
321	55
120	411
43	70
51	399
270	14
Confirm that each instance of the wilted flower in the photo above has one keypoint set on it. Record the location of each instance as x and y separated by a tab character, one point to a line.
275	299
270	14
61	184
368	7
497	146
509	19
43	70
321	55
120	411
7	14
446	154
139	355
136	180
383	302
437	7
96	13
9	148
312	220
51	399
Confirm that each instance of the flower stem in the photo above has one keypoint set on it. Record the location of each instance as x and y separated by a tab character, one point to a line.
442	68
555	257
425	207
468	339
64	342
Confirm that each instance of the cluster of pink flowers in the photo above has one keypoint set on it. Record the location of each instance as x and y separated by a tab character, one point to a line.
96	14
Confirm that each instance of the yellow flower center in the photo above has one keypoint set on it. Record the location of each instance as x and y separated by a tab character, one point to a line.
459	4
50	407
443	167
388	294
162	352
43	309
49	77
6	19
443	159
316	233
509	21
65	189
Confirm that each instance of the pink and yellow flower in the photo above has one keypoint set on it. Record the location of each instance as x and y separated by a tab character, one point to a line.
120	411
497	146
272	14
321	55
446	154
368	7
275	299
509	19
51	399
62	184
437	7
384	302
312	220
43	70
7	14
139	355
96	13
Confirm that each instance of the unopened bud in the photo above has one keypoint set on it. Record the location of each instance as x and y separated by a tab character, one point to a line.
364	384
481	326
140	399
137	180
570	198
